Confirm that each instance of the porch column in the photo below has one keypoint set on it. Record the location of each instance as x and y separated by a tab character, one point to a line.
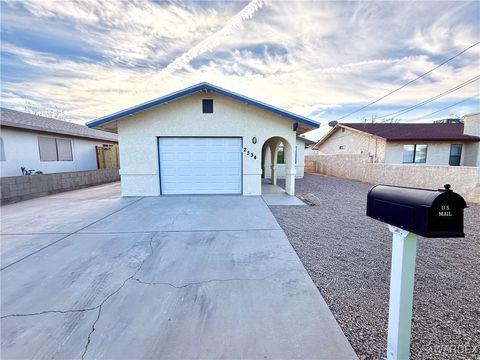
273	164
273	174
290	180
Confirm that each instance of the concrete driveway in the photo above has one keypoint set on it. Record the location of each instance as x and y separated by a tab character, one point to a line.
88	274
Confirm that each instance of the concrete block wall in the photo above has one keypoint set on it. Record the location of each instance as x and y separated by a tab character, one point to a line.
310	163
465	180
19	188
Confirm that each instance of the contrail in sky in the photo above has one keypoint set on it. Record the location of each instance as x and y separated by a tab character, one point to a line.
234	24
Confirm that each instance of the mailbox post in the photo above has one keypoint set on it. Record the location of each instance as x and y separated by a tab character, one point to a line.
411	212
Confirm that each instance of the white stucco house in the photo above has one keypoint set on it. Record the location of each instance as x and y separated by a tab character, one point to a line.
48	145
455	144
205	140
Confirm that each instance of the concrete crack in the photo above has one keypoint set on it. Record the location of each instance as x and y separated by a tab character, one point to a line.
50	312
209	281
93	307
100	307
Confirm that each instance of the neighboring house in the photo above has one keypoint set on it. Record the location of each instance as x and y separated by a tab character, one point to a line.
431	144
47	145
203	140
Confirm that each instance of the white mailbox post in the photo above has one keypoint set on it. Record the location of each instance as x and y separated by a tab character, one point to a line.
402	280
411	212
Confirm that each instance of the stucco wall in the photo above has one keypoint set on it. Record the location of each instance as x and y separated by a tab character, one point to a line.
353	143
183	117
464	180
19	188
21	149
438	153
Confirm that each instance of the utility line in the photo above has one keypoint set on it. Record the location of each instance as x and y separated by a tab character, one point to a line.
413	107
409	82
445	108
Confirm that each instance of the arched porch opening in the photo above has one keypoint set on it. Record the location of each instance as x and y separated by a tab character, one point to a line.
277	150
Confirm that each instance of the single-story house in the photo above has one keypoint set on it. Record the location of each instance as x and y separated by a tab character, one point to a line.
408	143
203	140
48	145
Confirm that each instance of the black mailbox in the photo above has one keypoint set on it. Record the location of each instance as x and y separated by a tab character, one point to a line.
428	213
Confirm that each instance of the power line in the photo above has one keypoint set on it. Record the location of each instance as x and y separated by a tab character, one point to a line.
411	81
445	108
413	107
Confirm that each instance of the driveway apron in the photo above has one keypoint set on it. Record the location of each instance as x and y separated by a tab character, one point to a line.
184	277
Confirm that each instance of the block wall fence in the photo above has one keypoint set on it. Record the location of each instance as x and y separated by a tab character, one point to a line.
465	180
19	188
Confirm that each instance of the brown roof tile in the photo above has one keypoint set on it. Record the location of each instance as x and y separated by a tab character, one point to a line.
414	132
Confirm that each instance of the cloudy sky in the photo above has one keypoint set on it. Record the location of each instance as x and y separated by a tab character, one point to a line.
318	59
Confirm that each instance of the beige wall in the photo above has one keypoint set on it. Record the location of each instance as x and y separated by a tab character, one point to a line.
437	153
464	180
354	143
472	127
183	117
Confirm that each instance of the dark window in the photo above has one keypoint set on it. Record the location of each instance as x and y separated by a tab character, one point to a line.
280	155
455	154
414	153
207	106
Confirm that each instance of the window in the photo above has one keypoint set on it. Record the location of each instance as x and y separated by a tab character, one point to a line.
341	147
455	154
48	149
64	150
52	149
414	153
281	155
207	105
2	150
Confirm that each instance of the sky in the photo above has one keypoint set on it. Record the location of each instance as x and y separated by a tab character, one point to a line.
318	59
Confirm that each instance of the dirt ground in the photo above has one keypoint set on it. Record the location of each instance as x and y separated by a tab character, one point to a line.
348	255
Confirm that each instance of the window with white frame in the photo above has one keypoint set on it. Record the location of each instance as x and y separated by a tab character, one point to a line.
415	153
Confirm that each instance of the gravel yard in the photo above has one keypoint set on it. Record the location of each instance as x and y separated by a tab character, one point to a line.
348	254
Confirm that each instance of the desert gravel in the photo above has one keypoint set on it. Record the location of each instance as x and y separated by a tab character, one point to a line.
348	255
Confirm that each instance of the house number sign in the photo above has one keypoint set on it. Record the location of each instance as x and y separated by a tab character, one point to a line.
249	153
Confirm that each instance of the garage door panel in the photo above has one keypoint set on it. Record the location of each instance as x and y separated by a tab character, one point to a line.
200	165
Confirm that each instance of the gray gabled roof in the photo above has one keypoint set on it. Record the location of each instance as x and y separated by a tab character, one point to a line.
18	119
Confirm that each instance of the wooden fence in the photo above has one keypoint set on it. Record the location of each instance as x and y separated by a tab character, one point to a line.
107	157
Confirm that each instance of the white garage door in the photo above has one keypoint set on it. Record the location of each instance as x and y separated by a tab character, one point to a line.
200	165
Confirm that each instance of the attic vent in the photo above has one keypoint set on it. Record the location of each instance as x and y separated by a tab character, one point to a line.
207	105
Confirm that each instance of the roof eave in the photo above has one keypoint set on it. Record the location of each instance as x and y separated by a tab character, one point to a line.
309	124
9	124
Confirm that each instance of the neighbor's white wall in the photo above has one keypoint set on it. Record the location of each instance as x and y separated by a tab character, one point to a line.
310	152
21	149
355	143
183	117
472	150
437	153
300	165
